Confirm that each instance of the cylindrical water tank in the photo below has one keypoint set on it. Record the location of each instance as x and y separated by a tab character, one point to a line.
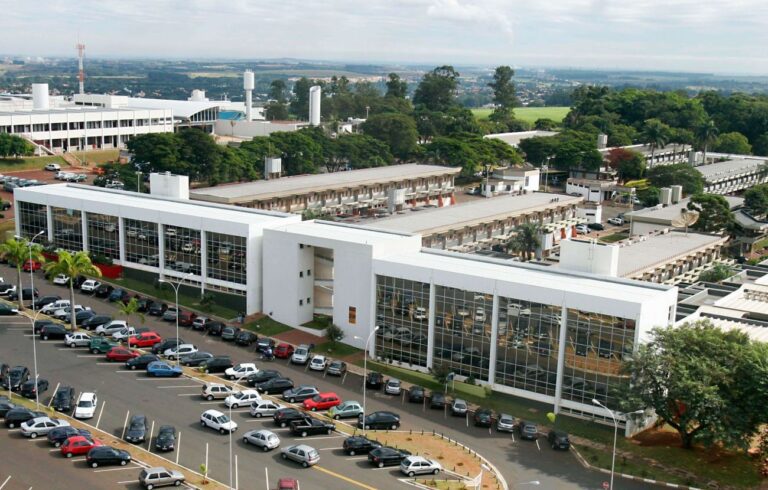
198	95
666	196
248	80
677	193
40	96
602	141
314	105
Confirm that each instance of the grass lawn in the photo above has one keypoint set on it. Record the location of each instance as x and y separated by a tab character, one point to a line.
28	163
97	157
614	238
319	322
529	114
6	228
339	349
267	326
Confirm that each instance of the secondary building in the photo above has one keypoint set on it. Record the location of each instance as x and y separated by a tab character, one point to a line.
352	192
671	215
735	175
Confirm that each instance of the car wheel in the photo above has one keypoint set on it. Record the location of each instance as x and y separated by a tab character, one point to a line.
177	483
265	448
381	464
57	445
123	462
336	417
304	434
304	464
411	474
367	427
34	435
69	455
202	423
235	405
352	452
330	431
437	470
284	456
101	334
133	367
222	431
209	397
94	465
292	400
11	425
283	425
71	346
314	409
94	351
231	378
258	415
394	426
150	486
45	337
245	440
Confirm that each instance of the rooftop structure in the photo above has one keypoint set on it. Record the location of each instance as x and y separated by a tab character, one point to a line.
661	216
515	138
733	175
667	155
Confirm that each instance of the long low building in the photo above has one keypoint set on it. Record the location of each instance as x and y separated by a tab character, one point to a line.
661	216
733	175
354	192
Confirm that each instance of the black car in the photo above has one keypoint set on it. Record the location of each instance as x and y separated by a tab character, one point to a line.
143	304
359	445
157	308
605	349
284	416
95	321
265	343
262	376
275	386
53	331
79	280
595	226
166	438
195	359
58	435
26	293
214	327
416	394
245	337
437	400
81	316
6	287
6	310
229	333
5	407
29	390
107	455
483	417
217	364
380	420
559	440
16	377
527	430
374	380
387	456
44	300
310	426
137	429
141	362
104	290
64	399
17	416
39	324
166	344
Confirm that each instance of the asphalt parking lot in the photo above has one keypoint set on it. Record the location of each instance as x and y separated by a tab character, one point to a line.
177	402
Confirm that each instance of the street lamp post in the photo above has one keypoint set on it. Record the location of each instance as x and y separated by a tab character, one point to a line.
32	319
615	434
138	180
34	315
365	366
176	287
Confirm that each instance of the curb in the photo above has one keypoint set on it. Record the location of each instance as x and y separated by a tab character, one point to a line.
589	466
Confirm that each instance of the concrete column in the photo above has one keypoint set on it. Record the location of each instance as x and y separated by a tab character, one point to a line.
49	214
203	260
120	231
84	227
431	326
494	339
561	357
161	250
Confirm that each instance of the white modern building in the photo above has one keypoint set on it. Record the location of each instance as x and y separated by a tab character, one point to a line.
734	175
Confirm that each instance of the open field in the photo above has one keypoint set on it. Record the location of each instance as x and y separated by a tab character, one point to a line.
530	114
28	163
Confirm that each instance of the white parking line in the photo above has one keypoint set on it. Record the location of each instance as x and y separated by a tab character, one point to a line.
90	355
212	403
6	481
385	468
187	394
13	430
537	444
326	448
356	458
116	469
127	482
105	363
75	460
177	386
315	438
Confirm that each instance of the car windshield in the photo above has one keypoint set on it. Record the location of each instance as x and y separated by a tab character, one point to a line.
85	404
301	352
223	419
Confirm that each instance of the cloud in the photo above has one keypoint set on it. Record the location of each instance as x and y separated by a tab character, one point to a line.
480	12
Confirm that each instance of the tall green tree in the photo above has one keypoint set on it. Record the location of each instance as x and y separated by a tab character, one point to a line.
756	199
299	106
539	149
504	98
396	87
275	111
131	308
398	131
72	265
706	134
733	142
714	213
677	174
437	89
710	385
655	134
526	240
16	251
278	91
12	145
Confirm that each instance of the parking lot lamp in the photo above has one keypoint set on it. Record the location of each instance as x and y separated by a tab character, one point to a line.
31	270
365	366
32	319
176	286
615	433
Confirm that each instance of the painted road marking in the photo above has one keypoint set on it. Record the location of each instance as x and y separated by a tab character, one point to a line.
178	386
342	477
116	469
6	481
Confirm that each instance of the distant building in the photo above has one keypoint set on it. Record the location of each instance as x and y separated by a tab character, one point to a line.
735	175
514	139
659	217
526	176
667	155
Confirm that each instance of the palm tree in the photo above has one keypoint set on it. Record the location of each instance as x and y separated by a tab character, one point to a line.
706	134
72	265
17	252
526	241
656	135
131	308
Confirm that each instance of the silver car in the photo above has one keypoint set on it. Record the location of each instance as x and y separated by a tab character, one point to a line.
264	439
302	454
264	408
41	426
506	423
160	477
459	407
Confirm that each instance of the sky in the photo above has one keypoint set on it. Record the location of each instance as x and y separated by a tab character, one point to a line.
713	36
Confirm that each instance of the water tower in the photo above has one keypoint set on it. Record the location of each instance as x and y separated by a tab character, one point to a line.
248	86
314	105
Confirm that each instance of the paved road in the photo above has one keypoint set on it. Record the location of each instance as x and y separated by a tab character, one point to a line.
519	461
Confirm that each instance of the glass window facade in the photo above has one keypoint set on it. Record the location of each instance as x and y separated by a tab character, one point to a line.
33	218
103	235
402	315
67	229
182	249
226	257
141	242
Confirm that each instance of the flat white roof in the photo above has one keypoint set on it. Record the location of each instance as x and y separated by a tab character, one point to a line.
70	110
306	184
723	170
515	138
667	213
181	108
656	250
341	232
435	220
756	332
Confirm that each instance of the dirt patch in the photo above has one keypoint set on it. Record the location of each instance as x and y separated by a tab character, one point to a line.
298	337
663	436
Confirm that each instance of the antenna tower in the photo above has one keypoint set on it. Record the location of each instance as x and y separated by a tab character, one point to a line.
81	72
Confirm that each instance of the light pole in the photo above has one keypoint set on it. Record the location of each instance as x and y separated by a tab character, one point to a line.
365	366
615	434
32	319
138	180
176	287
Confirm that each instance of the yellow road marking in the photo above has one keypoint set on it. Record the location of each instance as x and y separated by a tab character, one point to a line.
347	479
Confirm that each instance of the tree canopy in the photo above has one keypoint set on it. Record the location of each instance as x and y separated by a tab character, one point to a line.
714	213
504	98
629	164
437	89
677	174
396	130
756	199
14	146
733	142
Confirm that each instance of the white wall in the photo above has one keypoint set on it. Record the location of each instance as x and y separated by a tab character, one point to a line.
591	214
250	129
643	228
169	185
594	258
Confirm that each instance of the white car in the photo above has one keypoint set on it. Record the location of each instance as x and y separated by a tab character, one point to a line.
61	279
86	406
111	327
264	439
53	167
318	363
124	334
41	426
63	313
240	371
77	339
264	408
179	351
616	221
217	421
300	355
480	315
582	229
245	397
50	308
515	309
420	313
419	465
89	286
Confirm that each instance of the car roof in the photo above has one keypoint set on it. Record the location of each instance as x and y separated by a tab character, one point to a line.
87	396
215	413
304	447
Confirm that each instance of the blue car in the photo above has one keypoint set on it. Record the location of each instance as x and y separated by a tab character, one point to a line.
163	369
117	294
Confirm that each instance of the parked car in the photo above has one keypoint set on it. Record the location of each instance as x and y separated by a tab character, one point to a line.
64	399
145	339
241	370
18	415
170	313
419	465
141	362
156	308
15	377
137	429
107	329
459	407
32	266
262	376
166	438
245	337
5	407
51	308
119	294
264	439
596	226
284	416
437	400
106	455
61	280
305	455
214	327
527	430
283	351
559	440
217	364
229	333
310	426
186	318
416	394
195	358
238	398
6	310
359	445
30	389
78	445
582	229
166	344
505	423
100	345
300	355
124	334
102	290
121	354
322	401
199	323
299	393
265	343
287	484
264	408
58	435
336	368
53	167
213	391
42	301
89	286
41	426
164	369
275	385
392	386
483	417
160	477
180	350
86	405
382	420
346	410
54	331
374	380
387	456
616	221
95	321
217	421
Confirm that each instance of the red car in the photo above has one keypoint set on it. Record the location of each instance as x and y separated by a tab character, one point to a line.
121	354
186	318
145	339
77	445
283	351
287	484
322	401
32	266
